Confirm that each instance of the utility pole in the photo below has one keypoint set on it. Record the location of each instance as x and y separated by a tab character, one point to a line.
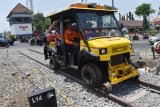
113	4
29	5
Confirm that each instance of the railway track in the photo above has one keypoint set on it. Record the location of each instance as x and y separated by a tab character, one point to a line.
98	92
114	98
153	88
149	86
35	51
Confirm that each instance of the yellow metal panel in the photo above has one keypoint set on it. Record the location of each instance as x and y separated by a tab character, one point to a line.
104	57
52	45
108	42
95	51
118	80
114	73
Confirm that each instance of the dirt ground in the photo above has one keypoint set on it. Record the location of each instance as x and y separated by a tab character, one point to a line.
19	100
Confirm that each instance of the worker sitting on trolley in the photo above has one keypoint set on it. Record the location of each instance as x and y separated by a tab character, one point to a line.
53	33
72	40
52	36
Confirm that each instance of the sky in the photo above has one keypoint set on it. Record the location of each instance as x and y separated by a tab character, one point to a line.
49	6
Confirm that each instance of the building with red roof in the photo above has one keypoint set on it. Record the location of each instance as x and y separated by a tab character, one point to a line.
20	20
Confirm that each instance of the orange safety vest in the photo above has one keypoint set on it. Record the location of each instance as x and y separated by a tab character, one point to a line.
57	38
50	38
69	35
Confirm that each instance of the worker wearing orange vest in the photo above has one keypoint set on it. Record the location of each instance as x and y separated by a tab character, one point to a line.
53	32
72	39
70	35
52	36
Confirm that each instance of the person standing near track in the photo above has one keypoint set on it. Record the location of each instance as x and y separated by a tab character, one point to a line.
125	33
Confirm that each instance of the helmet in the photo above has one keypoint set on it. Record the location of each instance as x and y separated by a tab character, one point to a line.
112	33
125	31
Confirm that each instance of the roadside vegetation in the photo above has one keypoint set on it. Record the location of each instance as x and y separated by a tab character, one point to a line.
153	32
41	23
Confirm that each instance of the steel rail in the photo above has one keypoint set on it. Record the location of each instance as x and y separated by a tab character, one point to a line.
152	87
98	92
35	51
31	82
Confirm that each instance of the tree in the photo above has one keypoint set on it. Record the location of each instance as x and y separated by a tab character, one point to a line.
40	22
120	18
145	23
123	17
46	24
127	16
130	16
144	10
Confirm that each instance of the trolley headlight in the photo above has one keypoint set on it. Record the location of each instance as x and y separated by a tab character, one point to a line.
102	51
130	46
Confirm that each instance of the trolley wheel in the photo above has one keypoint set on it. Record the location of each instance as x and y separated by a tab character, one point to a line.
106	87
53	63
91	75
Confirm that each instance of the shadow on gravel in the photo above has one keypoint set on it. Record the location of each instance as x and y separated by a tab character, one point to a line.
70	72
124	88
120	89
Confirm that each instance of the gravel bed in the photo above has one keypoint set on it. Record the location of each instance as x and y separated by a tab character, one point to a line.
128	90
13	82
148	100
75	92
150	77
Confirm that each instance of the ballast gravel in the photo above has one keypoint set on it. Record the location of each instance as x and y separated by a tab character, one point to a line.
19	76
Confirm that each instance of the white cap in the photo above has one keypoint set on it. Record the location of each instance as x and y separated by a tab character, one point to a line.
53	32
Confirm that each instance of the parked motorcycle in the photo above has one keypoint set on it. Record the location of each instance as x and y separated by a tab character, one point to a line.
23	39
37	41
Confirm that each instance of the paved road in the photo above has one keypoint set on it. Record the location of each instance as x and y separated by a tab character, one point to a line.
19	46
141	45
